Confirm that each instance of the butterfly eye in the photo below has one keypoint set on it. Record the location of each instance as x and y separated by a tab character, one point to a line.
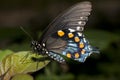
33	43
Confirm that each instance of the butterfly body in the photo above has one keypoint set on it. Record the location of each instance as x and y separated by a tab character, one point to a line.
64	36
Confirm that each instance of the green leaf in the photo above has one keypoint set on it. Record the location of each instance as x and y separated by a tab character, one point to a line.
21	62
4	53
22	77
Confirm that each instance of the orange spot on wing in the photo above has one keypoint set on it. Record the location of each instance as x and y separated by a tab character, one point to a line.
60	33
70	35
77	55
68	55
81	45
76	39
83	51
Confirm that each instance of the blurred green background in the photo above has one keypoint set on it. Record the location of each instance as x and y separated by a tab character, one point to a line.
102	30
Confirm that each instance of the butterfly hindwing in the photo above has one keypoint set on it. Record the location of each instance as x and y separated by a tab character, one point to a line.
70	44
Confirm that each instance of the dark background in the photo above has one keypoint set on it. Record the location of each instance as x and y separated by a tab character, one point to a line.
102	30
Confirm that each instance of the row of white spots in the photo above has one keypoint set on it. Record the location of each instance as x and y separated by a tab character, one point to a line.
81	23
79	28
56	57
79	34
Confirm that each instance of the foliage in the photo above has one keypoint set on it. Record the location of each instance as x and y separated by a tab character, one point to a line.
14	63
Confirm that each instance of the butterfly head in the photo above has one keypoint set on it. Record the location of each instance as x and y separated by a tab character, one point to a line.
36	47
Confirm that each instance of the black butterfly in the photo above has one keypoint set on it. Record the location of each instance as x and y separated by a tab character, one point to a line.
64	36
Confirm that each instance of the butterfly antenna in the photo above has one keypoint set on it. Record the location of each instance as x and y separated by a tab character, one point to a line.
26	32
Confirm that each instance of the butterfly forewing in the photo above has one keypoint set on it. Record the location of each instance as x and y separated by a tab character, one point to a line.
74	18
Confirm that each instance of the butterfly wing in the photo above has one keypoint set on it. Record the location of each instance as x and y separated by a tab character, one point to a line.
74	18
64	35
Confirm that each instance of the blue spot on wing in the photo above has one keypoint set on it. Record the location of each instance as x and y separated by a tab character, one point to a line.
73	47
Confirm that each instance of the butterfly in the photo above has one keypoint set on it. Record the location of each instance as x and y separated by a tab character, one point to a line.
64	36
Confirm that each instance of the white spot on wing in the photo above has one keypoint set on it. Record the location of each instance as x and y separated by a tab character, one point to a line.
44	44
79	34
78	28
81	17
80	22
46	52
71	30
84	40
